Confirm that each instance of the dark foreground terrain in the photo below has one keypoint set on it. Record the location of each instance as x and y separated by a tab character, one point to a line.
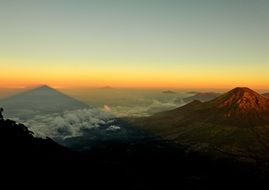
147	164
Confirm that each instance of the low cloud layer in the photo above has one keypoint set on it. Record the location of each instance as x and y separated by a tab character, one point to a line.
75	123
70	123
153	107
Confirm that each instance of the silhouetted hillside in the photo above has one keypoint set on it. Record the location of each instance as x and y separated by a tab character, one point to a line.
16	141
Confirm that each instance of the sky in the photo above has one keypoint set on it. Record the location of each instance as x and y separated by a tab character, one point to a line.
134	43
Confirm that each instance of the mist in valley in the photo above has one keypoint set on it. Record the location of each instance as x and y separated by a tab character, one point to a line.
91	114
130	102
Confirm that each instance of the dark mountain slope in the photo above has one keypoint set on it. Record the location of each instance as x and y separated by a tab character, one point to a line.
266	94
17	142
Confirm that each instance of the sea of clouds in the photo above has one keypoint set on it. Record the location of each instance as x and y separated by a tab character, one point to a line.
70	123
153	106
74	123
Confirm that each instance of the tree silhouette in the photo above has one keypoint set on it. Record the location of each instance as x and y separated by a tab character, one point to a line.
1	115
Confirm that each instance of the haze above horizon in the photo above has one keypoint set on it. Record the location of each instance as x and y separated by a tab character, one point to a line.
135	44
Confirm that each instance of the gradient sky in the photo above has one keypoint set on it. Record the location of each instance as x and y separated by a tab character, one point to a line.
135	43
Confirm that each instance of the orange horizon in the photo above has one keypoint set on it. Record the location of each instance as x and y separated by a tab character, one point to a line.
180	74
133	86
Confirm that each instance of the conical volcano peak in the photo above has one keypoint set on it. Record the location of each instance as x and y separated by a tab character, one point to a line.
44	87
243	99
38	101
44	90
242	91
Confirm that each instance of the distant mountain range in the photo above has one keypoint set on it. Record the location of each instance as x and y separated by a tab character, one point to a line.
169	92
202	96
41	100
107	88
235	123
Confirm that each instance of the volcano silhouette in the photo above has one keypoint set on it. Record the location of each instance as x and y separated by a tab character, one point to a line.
40	100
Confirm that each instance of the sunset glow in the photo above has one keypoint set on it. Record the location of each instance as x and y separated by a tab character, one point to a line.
209	45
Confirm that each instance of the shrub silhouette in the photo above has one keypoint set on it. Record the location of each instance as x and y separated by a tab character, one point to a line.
1	115
16	140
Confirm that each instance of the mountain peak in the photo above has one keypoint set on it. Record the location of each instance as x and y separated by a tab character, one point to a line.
44	87
242	99
38	101
241	89
239	107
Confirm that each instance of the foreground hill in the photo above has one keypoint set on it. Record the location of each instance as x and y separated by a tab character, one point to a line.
17	142
234	124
